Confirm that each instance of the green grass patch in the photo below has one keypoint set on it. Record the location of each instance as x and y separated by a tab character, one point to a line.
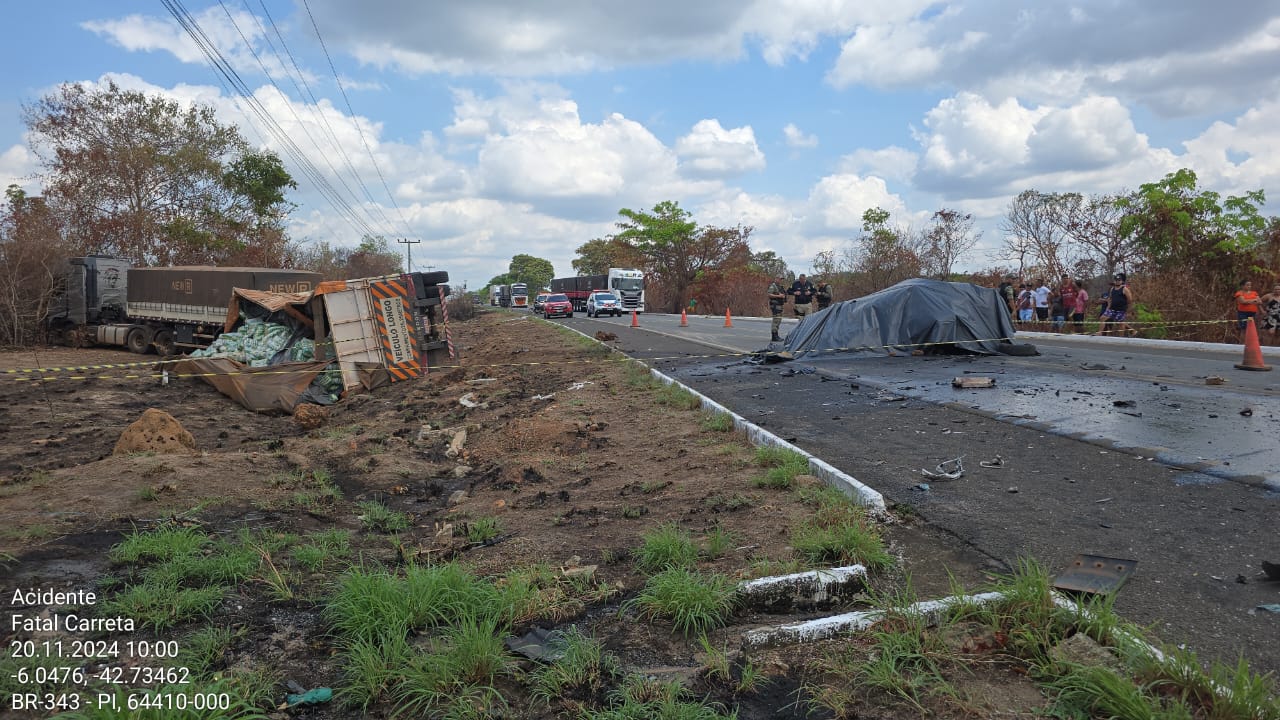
483	529
160	606
840	534
642	698
781	467
582	671
719	541
692	601
717	422
162	544
666	546
673	395
376	517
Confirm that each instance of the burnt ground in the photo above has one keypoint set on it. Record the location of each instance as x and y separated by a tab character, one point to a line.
575	461
1199	541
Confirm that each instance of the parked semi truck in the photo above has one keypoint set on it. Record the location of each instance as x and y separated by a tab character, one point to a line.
102	300
578	288
627	284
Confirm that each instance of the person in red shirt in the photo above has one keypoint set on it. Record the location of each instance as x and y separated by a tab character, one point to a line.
1247	303
1067	291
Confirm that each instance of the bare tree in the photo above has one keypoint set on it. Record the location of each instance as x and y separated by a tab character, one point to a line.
1032	232
31	253
950	236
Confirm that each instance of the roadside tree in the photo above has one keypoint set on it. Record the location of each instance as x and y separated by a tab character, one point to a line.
143	177
950	237
31	254
533	271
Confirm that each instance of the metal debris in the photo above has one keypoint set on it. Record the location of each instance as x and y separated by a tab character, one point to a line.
946	470
997	462
973	382
1095	574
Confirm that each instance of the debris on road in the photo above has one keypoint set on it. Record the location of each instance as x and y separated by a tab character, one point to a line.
997	462
1271	569
468	401
1214	380
1095	574
941	472
973	382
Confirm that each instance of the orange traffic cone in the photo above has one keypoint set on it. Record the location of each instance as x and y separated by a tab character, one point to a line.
1252	350
684	319
635	319
728	321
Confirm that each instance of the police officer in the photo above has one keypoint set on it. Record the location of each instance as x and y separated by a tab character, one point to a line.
803	290
777	298
824	294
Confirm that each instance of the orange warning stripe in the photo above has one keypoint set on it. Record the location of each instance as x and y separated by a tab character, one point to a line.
385	290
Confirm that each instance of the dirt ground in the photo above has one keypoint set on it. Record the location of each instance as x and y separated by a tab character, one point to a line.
563	450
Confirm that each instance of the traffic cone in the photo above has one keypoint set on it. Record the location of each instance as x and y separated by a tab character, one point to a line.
728	321
1252	350
635	319
684	319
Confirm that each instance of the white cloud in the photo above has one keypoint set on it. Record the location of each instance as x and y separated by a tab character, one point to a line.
969	142
797	138
837	202
892	163
18	167
239	36
709	150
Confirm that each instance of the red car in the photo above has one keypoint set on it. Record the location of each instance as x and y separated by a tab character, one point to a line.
557	306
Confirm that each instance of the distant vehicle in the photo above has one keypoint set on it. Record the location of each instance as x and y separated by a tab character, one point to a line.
504	296
520	295
603	303
557	306
538	300
626	285
495	293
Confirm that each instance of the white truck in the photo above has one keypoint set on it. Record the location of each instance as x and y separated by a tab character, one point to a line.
628	285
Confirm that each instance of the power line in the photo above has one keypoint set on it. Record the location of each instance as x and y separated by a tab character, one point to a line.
352	112
408	252
224	68
315	103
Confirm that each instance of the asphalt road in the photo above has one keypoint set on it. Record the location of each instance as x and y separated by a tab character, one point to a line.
1191	498
1146	397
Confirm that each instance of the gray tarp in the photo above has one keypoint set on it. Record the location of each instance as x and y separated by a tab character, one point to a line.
914	314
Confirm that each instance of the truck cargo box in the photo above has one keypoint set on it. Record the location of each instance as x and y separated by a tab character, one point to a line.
199	294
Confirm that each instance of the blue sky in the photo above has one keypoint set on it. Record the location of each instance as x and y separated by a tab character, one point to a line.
494	127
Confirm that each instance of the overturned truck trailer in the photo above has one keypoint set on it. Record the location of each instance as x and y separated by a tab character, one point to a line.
281	349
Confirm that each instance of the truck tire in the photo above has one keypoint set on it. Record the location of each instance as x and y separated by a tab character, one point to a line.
163	341
138	341
434	278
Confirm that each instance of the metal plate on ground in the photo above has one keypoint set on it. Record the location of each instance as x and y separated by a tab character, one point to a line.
973	382
1095	574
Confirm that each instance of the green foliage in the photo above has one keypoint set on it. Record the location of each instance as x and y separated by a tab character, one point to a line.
583	669
379	518
839	533
533	271
159	182
677	397
694	602
782	466
1147	321
483	529
1179	226
641	698
667	546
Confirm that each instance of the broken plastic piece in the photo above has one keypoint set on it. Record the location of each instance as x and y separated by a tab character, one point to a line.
941	472
468	401
314	696
973	382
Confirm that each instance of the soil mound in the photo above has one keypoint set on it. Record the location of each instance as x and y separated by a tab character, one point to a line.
158	432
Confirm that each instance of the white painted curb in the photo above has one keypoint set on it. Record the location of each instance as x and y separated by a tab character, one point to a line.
872	500
865	496
804	588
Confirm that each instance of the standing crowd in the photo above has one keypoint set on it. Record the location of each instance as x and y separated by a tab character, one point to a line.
1068	301
804	293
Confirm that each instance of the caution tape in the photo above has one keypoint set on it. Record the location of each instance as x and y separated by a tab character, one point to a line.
860	348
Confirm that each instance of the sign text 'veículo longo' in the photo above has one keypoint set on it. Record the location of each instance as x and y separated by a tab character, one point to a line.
397	330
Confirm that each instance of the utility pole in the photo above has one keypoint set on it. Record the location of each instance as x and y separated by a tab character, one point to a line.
408	252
